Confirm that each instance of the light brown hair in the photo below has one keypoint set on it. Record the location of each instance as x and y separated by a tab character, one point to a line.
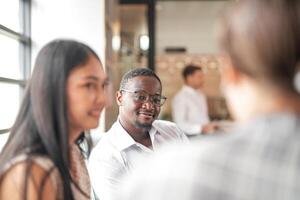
262	38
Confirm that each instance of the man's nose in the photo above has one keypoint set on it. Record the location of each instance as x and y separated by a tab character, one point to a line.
148	104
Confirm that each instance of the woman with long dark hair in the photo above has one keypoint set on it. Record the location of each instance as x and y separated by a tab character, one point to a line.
65	96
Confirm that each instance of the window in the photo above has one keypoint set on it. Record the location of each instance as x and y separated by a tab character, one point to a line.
15	45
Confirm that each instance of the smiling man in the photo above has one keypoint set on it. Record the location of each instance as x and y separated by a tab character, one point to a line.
136	132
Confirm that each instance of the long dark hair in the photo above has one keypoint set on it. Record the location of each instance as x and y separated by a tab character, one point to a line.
41	126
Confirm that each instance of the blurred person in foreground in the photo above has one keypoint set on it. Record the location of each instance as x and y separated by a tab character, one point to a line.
260	40
189	106
136	132
65	96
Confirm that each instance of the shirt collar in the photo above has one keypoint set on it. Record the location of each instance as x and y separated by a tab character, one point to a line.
122	140
188	88
153	131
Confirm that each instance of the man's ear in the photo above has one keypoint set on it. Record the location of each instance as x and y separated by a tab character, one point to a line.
119	98
188	79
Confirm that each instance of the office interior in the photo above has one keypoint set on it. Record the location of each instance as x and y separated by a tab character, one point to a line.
164	35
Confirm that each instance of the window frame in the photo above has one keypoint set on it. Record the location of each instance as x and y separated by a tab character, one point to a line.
24	39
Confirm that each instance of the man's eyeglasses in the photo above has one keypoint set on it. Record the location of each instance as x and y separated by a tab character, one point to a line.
143	97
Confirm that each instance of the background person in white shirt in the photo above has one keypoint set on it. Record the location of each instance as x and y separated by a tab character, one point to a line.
189	106
135	132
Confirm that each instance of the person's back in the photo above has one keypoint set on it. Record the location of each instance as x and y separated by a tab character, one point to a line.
258	161
260	42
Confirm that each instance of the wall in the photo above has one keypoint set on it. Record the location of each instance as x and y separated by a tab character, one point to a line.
191	25
77	19
188	24
169	68
73	19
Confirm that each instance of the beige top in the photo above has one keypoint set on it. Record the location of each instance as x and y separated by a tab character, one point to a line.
46	164
78	172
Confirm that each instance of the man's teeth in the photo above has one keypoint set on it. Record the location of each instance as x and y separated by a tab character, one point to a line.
148	114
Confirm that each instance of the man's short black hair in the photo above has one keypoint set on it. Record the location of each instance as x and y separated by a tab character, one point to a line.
189	70
137	72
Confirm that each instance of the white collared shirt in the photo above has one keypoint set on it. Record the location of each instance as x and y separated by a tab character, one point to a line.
189	110
257	160
116	154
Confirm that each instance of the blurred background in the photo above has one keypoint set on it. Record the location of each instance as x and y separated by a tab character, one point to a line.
164	35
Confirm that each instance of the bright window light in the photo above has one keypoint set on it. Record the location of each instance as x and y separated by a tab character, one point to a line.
9	106
10	14
9	64
3	139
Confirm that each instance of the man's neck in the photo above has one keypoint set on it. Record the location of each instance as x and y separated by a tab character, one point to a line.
143	139
193	87
140	135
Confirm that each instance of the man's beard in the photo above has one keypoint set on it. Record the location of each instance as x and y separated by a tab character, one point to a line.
142	125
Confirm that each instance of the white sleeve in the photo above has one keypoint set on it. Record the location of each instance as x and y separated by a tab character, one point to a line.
179	112
105	170
181	135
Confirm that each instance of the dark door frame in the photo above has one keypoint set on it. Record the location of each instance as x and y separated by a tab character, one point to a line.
151	27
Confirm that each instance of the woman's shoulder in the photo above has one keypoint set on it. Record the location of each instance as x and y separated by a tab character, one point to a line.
35	176
31	163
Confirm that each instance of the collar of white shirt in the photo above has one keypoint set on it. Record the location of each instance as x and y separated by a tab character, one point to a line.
189	89
122	140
